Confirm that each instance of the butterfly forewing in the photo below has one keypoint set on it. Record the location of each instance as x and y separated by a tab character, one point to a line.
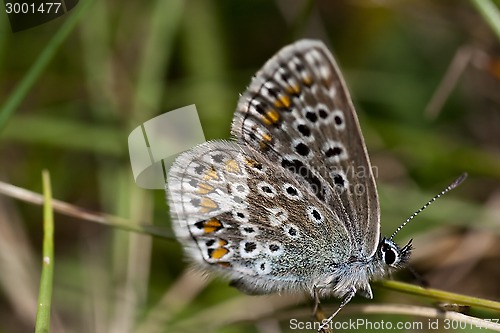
297	112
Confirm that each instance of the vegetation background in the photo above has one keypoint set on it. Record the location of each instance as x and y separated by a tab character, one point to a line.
126	62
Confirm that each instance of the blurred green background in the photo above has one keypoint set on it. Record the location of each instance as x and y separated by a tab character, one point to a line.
125	62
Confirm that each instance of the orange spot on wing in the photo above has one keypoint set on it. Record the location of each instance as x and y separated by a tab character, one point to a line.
272	116
307	80
266	139
251	163
207	205
232	166
293	89
211	175
218	253
204	188
283	101
211	225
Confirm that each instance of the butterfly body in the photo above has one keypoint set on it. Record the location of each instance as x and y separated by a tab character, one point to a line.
290	204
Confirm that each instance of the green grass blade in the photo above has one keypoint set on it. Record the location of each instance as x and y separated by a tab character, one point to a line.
490	13
440	295
165	21
42	323
20	92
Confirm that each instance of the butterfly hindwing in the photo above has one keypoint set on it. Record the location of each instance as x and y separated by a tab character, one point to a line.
241	215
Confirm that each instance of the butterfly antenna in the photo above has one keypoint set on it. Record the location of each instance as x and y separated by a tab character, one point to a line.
450	187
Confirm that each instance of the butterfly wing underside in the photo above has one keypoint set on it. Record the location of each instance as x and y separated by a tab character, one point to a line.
244	217
297	112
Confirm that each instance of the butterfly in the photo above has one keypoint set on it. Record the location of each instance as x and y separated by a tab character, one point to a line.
290	203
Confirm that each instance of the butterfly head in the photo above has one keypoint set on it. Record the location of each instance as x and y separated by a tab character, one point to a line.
392	255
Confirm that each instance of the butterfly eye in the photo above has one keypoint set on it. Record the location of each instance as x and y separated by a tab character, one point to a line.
389	252
389	257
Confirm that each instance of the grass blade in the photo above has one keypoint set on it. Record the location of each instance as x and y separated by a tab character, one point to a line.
42	323
490	14
20	92
440	295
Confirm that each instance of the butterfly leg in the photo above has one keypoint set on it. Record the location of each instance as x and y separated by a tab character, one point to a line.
316	300
366	292
346	300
